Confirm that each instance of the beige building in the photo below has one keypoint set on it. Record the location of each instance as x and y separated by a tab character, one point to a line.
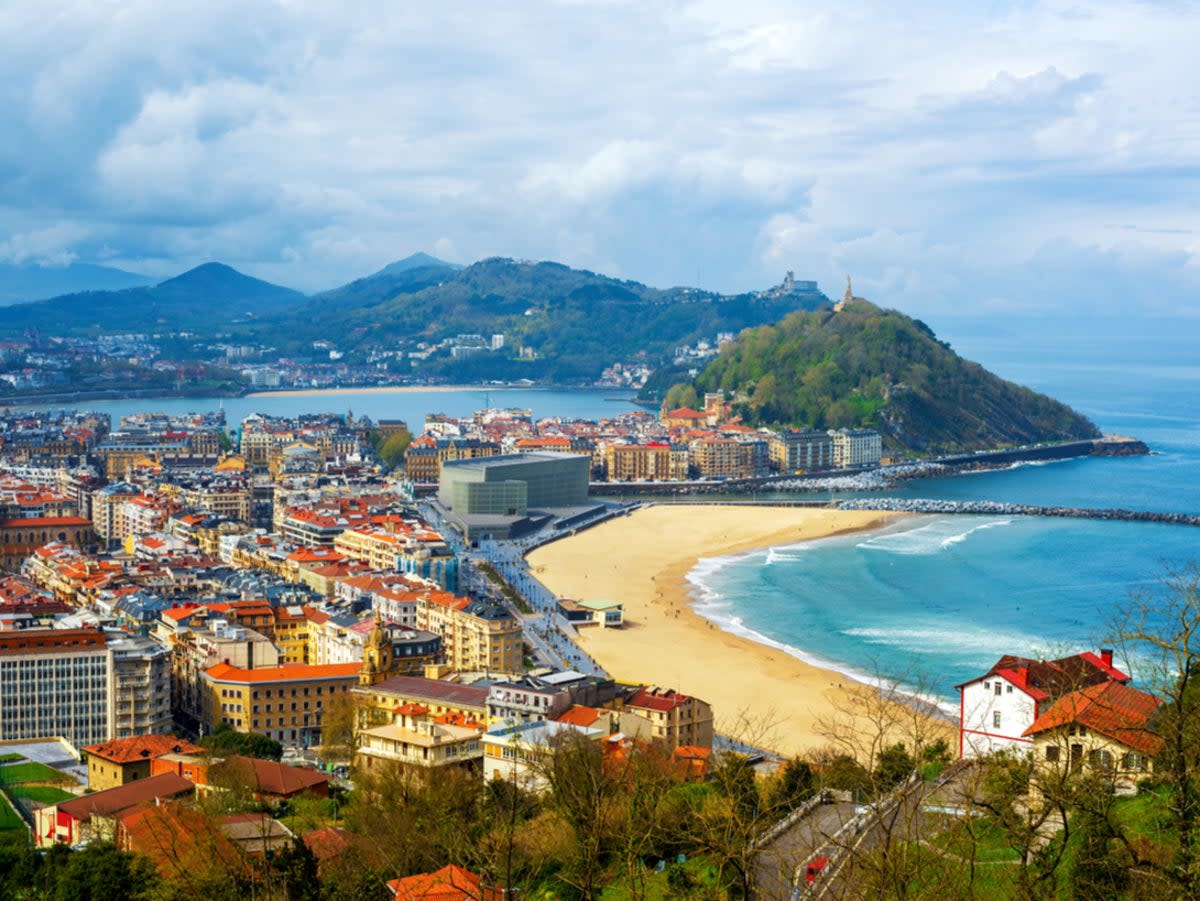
655	462
666	716
285	703
1106	729
416	740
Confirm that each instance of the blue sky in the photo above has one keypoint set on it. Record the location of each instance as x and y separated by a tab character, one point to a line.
1024	158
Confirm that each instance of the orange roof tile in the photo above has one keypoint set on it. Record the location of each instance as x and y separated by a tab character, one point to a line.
288	672
142	747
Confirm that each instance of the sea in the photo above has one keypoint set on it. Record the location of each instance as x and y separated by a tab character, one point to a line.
932	600
935	600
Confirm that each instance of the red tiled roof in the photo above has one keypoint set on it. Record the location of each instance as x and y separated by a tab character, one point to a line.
270	777
580	715
224	672
113	801
1110	708
654	699
450	883
328	841
142	747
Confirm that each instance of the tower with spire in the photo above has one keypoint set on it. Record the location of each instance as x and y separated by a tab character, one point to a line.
846	298
377	656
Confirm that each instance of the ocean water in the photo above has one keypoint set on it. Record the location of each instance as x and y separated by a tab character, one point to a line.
935	600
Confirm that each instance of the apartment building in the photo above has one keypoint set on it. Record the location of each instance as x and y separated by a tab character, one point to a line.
56	682
285	703
856	447
800	450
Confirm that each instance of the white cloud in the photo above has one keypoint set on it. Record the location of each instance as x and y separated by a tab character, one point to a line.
943	152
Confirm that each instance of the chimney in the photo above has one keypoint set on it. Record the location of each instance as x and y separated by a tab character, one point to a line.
1106	655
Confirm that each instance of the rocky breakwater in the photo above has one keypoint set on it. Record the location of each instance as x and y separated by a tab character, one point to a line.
997	508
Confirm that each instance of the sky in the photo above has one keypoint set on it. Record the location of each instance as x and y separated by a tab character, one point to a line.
1025	159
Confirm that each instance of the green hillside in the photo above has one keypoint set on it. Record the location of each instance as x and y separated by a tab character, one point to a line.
869	367
571	322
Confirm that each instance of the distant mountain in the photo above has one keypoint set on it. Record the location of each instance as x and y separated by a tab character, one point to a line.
205	299
414	261
401	277
28	282
865	366
571	323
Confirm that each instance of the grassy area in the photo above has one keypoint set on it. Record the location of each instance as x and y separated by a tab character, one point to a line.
9	818
17	773
980	838
43	794
692	876
9	758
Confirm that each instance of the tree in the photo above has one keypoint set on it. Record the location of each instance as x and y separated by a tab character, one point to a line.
224	740
391	449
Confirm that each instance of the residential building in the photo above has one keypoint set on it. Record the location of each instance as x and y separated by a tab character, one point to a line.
997	708
668	717
420	742
377	702
124	760
450	883
856	447
800	450
285	703
94	817
1107	727
142	669
517	753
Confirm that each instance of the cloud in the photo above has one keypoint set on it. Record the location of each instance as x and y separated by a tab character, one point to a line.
951	156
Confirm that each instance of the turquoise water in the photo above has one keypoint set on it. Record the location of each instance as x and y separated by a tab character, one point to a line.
936	600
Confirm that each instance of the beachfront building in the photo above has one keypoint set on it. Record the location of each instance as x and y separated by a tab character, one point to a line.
655	461
997	709
1106	728
800	450
856	447
667	717
507	495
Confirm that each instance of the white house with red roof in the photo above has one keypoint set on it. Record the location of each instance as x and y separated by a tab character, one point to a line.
997	708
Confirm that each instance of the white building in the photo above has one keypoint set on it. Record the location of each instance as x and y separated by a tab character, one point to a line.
856	447
515	753
997	708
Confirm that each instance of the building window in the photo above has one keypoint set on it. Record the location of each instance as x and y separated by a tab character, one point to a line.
1051	753
996	719
1101	759
1133	762
999	688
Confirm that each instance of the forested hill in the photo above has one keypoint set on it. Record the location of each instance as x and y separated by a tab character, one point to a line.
571	323
869	367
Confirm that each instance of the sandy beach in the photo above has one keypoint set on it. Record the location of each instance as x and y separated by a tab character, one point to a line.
642	560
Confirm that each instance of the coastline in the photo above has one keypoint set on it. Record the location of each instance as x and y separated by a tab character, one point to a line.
772	697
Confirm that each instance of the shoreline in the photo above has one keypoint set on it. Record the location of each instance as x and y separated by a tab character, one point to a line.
771	696
418	389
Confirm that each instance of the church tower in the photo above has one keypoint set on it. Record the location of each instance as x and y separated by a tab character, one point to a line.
377	656
846	298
